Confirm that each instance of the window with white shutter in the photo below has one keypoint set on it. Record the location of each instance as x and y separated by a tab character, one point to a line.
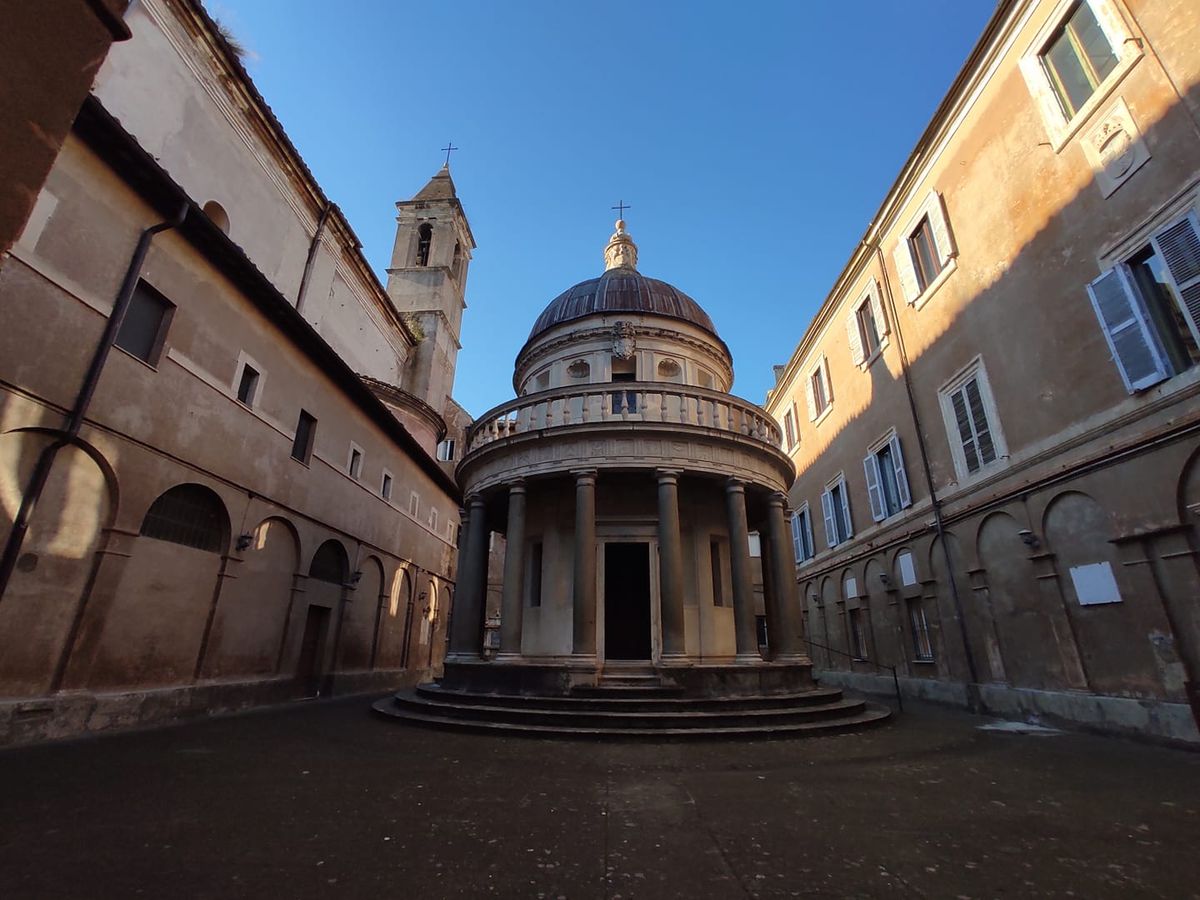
1148	306
802	536
819	394
789	428
925	250
858	352
887	482
971	422
835	504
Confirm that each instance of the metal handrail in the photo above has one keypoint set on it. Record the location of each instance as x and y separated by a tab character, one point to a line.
875	663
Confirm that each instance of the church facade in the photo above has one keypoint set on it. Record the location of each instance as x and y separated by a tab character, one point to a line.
220	433
993	415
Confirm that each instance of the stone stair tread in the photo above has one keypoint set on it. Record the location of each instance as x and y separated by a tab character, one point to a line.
585	701
871	714
666	715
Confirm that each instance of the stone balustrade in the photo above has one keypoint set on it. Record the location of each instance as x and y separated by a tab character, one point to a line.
678	405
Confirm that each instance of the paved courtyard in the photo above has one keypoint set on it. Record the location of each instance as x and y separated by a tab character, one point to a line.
324	800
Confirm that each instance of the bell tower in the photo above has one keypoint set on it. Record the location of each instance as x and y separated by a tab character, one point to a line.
427	283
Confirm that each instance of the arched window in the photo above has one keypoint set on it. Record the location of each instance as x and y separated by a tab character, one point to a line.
424	241
191	515
330	564
456	265
216	212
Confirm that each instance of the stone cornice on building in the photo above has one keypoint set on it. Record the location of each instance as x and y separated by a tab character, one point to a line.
96	127
390	393
250	104
1009	15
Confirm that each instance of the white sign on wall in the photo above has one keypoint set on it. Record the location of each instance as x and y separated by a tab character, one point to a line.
908	572
1095	584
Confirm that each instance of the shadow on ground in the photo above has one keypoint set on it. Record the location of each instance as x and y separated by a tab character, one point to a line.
324	800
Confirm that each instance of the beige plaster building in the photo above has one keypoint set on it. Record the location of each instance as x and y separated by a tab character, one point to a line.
219	432
993	415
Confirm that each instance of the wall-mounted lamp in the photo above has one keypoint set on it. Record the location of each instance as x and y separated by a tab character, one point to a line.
885	580
244	541
356	578
1029	539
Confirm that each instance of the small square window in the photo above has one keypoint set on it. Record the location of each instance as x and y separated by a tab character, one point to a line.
306	432
144	328
445	450
247	385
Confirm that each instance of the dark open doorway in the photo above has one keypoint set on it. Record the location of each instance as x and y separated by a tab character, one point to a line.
310	666
627	601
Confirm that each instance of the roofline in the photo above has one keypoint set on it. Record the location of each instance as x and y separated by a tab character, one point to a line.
103	134
941	117
200	18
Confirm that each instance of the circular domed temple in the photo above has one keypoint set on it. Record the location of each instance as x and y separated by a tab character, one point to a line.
627	481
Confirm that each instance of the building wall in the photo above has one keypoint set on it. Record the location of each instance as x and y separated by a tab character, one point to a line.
107	626
1089	471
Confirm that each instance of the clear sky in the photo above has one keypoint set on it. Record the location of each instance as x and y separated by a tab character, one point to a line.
753	140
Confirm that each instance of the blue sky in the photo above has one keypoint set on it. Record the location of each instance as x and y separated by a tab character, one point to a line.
753	140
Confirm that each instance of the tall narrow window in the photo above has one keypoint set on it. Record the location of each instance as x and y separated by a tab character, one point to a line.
424	242
868	330
385	490
887	480
144	328
306	432
354	465
535	574
718	582
1078	58
835	504
858	634
624	370
456	264
922	646
247	385
433	519
789	429
802	535
414	504
927	259
973	430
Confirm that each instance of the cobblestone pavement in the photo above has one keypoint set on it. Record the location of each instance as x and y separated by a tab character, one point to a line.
325	800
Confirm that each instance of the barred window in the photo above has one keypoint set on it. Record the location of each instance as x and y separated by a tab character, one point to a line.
191	515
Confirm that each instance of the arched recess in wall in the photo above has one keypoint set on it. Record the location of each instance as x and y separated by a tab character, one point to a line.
1189	493
1103	608
833	634
881	619
424	244
429	612
1027	636
254	607
57	557
358	631
216	213
978	623
154	626
397	622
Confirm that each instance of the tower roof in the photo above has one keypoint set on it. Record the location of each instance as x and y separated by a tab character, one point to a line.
440	187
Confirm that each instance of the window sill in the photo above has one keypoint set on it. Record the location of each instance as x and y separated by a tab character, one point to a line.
932	288
1063	130
137	359
924	662
866	363
306	463
823	414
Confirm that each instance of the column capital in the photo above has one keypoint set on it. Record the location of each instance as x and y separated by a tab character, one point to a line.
476	501
515	486
668	476
735	486
777	498
583	476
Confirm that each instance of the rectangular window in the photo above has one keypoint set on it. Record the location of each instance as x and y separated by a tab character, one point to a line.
858	634
972	427
789	429
718	582
445	450
922	646
868	330
385	489
1149	306
887	481
760	628
306	432
433	519
354	464
414	504
835	504
1077	58
247	385
755	543
927	259
802	535
144	329
535	574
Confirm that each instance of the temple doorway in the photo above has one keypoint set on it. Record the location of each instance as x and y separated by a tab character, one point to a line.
627	600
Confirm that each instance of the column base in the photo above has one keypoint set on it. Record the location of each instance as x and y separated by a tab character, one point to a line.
748	659
503	657
674	659
792	659
581	659
460	657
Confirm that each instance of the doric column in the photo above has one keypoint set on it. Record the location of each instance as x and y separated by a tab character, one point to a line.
783	606
466	636
584	594
670	566
512	598
743	579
